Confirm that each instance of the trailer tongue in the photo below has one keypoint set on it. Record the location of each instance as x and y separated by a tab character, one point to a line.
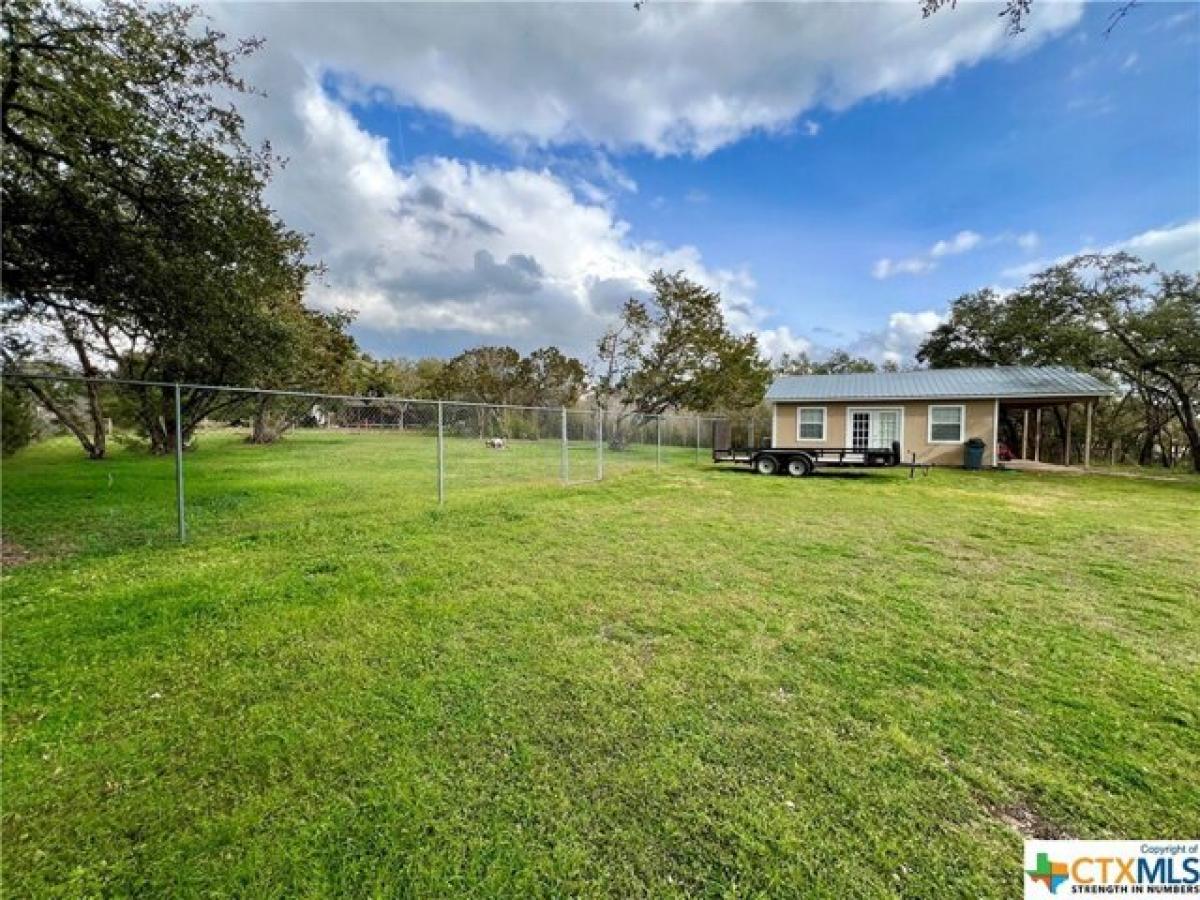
798	461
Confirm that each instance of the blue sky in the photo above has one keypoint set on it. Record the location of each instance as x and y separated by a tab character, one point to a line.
817	212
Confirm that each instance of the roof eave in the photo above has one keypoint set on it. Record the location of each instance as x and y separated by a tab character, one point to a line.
908	397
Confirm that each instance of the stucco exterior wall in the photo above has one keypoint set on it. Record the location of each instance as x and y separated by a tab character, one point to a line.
978	422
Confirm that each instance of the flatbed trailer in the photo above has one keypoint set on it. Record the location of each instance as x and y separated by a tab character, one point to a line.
800	461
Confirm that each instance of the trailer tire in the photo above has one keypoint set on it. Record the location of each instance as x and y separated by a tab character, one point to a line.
799	466
766	465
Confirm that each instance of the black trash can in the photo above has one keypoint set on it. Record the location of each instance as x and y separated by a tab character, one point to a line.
974	454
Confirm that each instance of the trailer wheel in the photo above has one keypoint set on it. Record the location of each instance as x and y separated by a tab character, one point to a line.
799	466
766	465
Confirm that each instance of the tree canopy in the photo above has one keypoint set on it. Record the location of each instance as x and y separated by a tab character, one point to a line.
1111	314
674	350
136	237
501	375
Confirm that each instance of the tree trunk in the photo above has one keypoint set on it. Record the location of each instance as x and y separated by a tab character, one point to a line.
1061	422
1191	429
60	410
265	426
1146	447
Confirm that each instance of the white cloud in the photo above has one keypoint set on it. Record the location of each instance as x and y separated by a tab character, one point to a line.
1028	241
1172	248
537	253
775	342
695	195
513	255
887	268
671	79
899	341
963	242
960	243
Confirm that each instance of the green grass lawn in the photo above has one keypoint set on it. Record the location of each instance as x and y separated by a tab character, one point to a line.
691	681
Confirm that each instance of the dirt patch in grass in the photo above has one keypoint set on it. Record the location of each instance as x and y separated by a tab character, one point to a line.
13	554
1027	821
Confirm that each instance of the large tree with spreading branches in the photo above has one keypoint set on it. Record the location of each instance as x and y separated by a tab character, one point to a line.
674	351
136	238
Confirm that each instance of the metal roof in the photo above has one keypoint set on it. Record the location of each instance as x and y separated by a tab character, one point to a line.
1000	381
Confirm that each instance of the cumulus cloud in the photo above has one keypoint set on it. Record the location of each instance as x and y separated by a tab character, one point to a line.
450	246
1173	248
536	252
670	79
960	243
775	342
899	340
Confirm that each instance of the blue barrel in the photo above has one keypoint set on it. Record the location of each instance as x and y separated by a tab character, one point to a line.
973	453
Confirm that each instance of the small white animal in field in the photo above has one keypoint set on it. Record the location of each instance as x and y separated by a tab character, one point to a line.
494	443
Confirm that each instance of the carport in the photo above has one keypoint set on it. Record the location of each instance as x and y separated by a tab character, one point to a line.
1027	414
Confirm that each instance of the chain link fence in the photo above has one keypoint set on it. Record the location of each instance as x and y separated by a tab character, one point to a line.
174	460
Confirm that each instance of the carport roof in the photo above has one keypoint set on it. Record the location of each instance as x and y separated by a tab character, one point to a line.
999	381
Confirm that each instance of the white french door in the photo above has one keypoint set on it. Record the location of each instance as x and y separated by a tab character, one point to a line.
874	428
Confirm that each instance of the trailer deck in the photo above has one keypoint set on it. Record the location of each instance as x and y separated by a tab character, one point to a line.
799	461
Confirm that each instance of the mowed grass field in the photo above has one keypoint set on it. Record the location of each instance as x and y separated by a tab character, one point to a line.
684	682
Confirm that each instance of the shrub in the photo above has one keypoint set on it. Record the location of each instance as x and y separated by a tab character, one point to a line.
18	421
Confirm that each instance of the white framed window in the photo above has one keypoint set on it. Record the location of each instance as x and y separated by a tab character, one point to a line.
946	424
810	423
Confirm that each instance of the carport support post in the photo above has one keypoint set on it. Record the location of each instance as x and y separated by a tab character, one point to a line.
1037	435
565	463
179	466
441	457
1067	438
1087	437
1024	432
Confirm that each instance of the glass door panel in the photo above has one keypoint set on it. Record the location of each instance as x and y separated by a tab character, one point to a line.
860	430
885	428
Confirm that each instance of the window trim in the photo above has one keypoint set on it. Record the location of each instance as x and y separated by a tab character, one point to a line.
962	423
824	425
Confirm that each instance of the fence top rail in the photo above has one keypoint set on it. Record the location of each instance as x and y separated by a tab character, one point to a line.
279	392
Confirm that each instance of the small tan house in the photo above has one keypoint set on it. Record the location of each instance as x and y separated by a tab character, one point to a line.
931	412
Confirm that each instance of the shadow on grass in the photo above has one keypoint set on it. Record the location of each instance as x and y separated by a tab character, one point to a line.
848	474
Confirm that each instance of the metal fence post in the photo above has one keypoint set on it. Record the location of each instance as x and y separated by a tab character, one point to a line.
697	440
658	442
566	472
441	457
179	467
600	445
